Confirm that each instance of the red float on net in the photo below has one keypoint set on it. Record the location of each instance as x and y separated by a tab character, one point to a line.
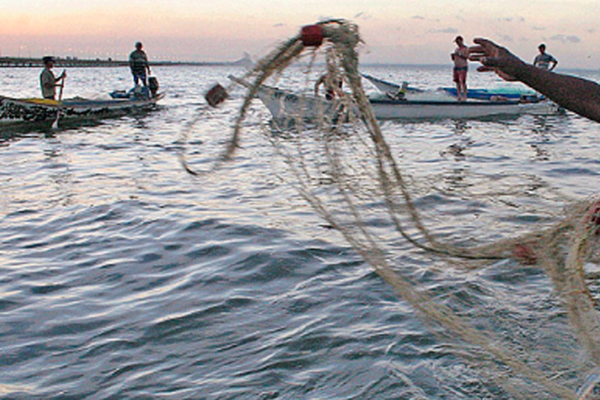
312	35
594	216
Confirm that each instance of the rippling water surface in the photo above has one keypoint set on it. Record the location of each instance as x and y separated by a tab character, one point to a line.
122	276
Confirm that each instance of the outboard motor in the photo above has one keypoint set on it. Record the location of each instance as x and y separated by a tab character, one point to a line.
140	93
153	85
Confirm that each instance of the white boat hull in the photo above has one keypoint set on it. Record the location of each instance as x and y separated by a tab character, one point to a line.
286	105
391	109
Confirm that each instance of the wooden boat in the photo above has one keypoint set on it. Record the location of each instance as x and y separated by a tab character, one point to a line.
15	111
506	93
285	105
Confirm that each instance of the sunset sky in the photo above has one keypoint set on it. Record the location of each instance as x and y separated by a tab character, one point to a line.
395	31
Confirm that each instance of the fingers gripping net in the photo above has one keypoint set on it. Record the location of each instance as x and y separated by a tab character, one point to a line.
368	199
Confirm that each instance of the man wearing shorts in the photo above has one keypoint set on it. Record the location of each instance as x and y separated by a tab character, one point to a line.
461	66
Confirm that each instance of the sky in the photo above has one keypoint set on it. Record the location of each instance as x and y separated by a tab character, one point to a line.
393	31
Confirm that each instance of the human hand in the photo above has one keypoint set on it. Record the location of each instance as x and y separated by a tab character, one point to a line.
525	253
495	58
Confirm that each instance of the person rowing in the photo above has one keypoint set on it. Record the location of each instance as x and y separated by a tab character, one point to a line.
48	81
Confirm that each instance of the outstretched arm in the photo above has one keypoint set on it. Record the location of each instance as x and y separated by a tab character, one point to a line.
578	95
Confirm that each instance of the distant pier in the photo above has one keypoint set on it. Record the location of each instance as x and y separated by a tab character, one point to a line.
19	62
22	62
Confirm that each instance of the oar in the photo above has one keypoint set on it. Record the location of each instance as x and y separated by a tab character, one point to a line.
60	92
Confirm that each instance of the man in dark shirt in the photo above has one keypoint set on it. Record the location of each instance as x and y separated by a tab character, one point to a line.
138	63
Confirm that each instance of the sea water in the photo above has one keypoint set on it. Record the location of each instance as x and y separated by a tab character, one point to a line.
124	277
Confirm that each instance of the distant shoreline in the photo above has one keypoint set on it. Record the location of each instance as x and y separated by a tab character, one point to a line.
26	62
20	62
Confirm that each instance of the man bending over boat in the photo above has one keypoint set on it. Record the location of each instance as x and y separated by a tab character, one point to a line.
332	82
576	94
461	66
47	79
138	63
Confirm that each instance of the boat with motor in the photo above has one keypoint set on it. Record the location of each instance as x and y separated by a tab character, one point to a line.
14	111
34	110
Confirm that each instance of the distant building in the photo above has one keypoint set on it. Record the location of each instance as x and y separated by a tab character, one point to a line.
245	61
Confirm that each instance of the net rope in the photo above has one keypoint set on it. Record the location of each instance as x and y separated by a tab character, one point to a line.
347	126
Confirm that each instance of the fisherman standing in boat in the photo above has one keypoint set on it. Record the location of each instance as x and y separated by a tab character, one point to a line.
47	79
461	66
138	63
543	60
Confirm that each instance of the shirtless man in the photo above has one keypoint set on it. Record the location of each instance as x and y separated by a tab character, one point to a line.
461	66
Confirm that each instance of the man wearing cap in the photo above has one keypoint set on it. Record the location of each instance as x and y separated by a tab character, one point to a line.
138	63
461	63
47	79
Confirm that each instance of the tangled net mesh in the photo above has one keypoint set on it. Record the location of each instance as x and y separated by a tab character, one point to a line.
365	186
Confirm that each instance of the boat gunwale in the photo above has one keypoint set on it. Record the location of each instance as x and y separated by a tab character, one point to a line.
73	103
471	103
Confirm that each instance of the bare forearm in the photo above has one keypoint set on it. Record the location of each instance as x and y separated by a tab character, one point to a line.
578	95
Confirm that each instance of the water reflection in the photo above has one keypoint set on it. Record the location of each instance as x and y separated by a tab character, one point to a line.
17	131
58	163
459	128
543	128
456	179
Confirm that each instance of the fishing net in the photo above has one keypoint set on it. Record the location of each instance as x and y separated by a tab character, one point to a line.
346	170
